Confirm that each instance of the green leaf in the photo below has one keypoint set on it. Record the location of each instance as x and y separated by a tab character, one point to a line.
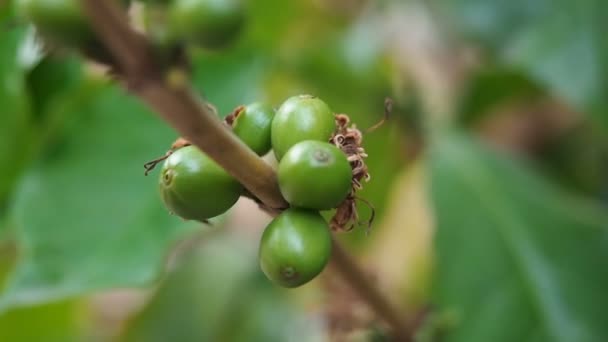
87	217
15	127
53	79
229	80
217	294
56	322
59	90
491	87
559	43
8	256
578	160
517	258
6	13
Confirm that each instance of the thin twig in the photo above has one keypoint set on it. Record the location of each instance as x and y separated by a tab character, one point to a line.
348	269
196	121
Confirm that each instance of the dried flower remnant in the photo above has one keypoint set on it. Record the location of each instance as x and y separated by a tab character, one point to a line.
177	144
349	139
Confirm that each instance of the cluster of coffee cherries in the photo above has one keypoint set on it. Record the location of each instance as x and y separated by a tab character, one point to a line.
320	155
320	168
206	23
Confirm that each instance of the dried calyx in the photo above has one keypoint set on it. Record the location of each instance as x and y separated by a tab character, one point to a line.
230	118
349	139
177	144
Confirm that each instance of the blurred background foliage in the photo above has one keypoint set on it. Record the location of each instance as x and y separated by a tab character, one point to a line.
489	181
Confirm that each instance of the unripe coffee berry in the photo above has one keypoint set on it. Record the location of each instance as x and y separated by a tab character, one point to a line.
194	187
314	175
252	125
295	247
209	23
302	117
61	21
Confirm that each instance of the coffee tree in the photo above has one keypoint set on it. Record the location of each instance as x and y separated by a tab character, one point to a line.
330	170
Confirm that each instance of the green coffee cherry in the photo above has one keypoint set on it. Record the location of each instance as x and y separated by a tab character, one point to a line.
60	21
300	118
209	23
194	187
295	247
252	125
314	175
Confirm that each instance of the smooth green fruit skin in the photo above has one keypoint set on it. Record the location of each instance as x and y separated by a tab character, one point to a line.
252	126
295	247
62	21
210	23
194	187
314	175
302	117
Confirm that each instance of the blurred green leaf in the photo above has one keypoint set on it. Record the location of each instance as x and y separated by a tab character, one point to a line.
579	160
87	217
59	91
6	12
559	43
494	22
217	294
15	127
8	256
517	259
52	78
490	87
56	322
229	80
54	88
270	22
